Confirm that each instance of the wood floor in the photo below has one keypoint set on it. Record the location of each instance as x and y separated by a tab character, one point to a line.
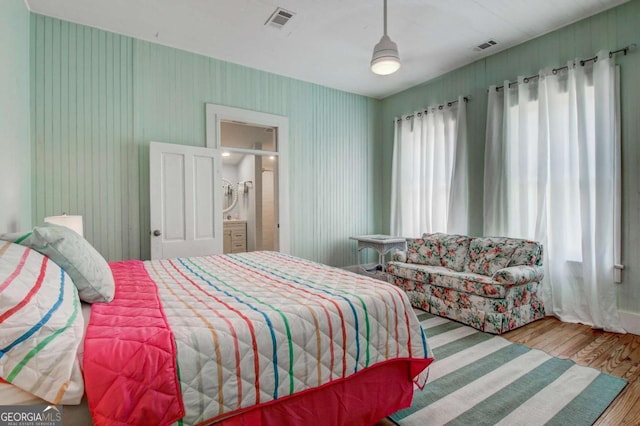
611	353
615	354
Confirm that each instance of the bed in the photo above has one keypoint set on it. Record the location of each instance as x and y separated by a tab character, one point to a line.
252	338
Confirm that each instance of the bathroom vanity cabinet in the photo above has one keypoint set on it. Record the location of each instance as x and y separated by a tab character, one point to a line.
235	236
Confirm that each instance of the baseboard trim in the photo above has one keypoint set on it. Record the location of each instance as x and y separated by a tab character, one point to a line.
630	321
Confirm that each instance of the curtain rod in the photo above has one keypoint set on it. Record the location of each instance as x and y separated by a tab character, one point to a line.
583	62
426	110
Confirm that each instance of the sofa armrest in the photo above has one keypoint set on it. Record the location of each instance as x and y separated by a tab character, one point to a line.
399	256
521	274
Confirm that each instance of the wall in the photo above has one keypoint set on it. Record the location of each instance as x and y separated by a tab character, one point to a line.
610	30
268	209
230	172
82	132
15	160
99	98
247	201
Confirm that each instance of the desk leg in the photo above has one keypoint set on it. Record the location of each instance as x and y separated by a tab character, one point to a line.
360	264
360	248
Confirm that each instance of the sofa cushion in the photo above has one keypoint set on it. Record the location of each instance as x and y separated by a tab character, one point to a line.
488	255
453	251
424	251
527	253
467	282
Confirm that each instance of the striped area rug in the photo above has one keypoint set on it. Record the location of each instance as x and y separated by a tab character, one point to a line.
482	379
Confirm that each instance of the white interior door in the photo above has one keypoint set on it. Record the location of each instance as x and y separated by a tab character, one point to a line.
186	212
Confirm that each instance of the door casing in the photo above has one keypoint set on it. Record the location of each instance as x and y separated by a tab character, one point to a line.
215	114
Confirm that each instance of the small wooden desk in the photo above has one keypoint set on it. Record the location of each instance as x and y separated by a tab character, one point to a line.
383	244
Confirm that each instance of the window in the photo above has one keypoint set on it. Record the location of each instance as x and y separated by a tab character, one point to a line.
552	174
429	177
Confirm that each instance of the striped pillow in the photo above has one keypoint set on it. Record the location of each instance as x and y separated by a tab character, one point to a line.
41	324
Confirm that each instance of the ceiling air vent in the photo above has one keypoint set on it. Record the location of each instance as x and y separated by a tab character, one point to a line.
279	17
485	45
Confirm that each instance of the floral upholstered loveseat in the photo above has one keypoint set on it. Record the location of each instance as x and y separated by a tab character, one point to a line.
490	283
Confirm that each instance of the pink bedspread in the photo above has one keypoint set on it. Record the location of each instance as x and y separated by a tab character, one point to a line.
130	355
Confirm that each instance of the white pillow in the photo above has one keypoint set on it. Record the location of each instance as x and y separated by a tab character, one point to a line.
86	267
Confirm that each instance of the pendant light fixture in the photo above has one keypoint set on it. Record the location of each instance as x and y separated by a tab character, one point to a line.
385	59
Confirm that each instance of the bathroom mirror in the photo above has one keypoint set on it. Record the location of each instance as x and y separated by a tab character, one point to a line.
229	195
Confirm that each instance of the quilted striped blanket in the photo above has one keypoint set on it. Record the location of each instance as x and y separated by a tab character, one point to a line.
255	327
249	329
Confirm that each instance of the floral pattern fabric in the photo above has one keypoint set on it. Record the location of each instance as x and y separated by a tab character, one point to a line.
399	256
526	253
516	296
495	316
489	322
453	251
495	289
446	278
489	255
423	251
519	274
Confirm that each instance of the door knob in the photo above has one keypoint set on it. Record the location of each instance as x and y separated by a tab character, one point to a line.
157	233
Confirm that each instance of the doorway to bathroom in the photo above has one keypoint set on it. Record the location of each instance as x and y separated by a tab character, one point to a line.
250	182
255	161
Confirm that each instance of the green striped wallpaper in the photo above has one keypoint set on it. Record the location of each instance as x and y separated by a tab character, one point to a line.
100	98
82	127
15	159
612	29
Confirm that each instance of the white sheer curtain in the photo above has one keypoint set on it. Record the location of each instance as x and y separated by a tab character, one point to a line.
429	187
511	161
552	174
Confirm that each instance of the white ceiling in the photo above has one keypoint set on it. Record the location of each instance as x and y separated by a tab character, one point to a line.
330	42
